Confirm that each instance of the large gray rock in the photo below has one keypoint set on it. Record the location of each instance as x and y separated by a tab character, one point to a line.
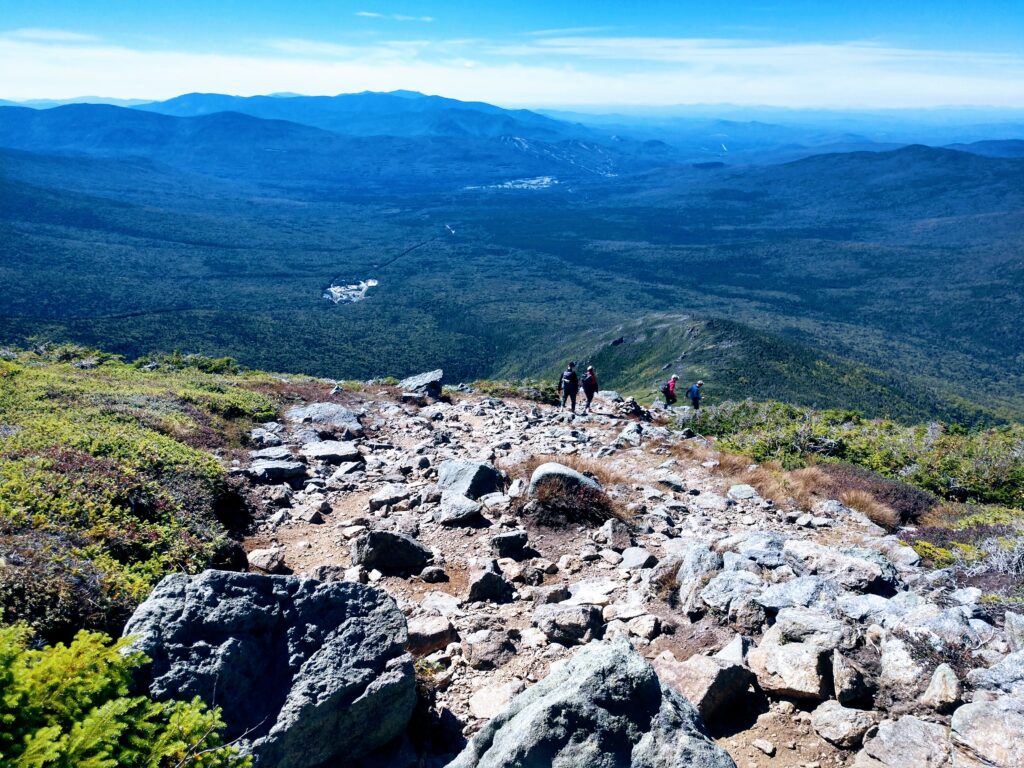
712	685
806	625
390	553
568	624
332	452
316	670
337	418
488	584
1014	629
943	691
456	509
428	383
471	479
803	591
798	670
906	742
275	470
388	495
1007	676
843	726
853	569
553	472
603	709
990	733
728	587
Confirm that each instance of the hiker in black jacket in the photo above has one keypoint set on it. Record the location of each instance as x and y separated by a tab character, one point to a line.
589	385
569	385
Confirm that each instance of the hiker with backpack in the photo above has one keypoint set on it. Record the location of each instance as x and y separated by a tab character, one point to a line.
694	394
668	389
569	385
589	384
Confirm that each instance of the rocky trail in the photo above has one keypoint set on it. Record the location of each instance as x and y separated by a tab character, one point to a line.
681	620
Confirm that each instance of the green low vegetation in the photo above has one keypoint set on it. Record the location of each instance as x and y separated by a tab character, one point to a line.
107	480
70	706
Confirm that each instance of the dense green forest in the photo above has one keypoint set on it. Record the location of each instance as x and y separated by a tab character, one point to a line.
887	280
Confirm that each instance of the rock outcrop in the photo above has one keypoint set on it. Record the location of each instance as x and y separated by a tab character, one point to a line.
603	709
305	671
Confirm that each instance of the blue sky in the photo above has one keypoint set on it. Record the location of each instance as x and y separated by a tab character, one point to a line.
853	54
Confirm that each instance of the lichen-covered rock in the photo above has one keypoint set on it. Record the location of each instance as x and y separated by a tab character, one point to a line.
603	709
990	733
316	670
906	742
552	472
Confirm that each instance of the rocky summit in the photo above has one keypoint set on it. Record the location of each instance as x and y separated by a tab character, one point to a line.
573	590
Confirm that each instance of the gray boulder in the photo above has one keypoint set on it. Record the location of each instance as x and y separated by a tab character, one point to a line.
553	472
1014	628
509	544
906	742
1007	676
713	685
275	470
428	384
337	418
990	733
388	495
568	624
603	709
944	690
317	670
803	591
797	670
852	568
843	726
456	509
332	452
471	479
729	587
488	584
390	553
634	558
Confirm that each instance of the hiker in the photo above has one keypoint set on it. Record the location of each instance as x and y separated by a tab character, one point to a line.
569	385
589	384
694	394
668	389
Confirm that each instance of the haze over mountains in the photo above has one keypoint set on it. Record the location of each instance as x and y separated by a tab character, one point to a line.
504	240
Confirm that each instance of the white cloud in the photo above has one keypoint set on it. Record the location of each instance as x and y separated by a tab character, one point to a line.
560	71
392	16
49	35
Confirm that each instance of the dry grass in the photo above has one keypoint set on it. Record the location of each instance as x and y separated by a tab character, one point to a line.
875	511
805	486
595	468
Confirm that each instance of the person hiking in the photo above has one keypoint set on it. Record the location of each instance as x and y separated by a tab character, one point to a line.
694	393
589	385
668	389
569	385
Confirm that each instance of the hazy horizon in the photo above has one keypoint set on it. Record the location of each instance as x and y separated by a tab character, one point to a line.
581	56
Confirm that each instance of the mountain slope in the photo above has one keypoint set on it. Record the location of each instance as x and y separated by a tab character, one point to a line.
738	362
380	114
278	151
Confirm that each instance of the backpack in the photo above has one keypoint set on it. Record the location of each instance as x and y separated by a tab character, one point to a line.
664	388
693	393
588	380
